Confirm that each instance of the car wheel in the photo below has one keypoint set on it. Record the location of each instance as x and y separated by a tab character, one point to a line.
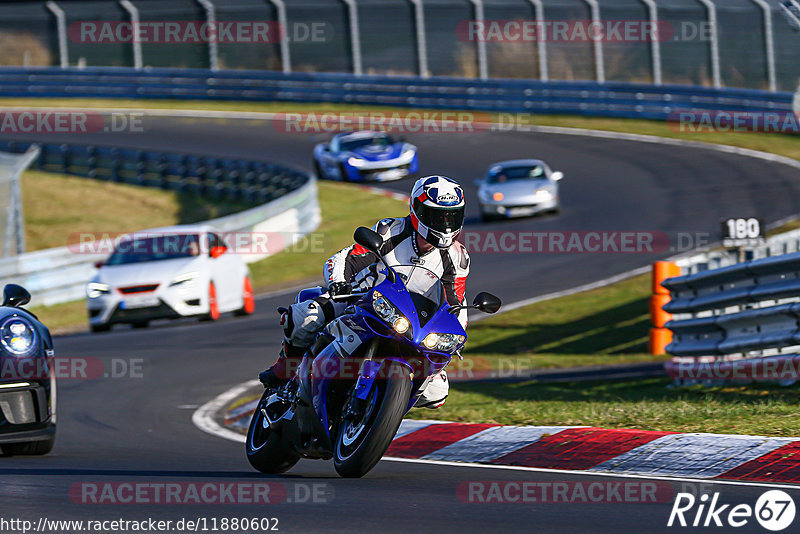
318	170
96	328
213	307
487	218
29	448
249	302
343	172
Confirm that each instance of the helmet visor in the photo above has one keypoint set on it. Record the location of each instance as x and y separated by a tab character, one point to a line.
444	220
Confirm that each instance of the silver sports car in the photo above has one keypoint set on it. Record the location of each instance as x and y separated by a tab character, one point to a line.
518	188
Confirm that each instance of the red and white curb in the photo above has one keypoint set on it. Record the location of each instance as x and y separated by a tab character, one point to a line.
589	450
599	450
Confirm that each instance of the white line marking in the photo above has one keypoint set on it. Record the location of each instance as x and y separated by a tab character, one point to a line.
591	473
203	417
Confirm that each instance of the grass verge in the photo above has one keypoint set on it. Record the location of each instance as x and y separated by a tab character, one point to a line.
604	326
647	404
56	206
304	260
785	145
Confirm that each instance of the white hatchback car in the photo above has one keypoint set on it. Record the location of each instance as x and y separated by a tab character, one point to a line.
178	271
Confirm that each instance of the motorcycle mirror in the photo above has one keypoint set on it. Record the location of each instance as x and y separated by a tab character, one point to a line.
369	239
486	302
372	241
15	296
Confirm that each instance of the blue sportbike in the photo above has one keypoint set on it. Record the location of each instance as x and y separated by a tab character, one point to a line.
365	371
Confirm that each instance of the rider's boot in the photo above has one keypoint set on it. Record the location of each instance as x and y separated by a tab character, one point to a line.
280	373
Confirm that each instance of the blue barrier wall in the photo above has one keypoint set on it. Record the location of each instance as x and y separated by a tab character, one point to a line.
612	99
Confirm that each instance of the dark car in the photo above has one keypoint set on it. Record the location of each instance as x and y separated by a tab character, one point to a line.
27	380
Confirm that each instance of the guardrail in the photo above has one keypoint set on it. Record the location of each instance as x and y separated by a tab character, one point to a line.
249	181
290	207
612	99
740	322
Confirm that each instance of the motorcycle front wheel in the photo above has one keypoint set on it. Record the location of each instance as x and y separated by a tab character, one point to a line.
361	442
264	447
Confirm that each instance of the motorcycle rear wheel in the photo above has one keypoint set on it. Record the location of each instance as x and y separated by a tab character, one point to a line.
361	444
264	448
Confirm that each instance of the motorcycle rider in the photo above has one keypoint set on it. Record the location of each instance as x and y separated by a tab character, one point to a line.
426	237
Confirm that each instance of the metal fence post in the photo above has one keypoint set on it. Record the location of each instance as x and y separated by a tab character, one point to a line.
599	61
211	20
541	42
769	42
422	45
655	41
15	227
711	8
483	67
133	13
286	60
61	25
355	35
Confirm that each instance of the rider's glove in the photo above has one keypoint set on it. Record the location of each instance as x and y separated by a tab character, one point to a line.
339	288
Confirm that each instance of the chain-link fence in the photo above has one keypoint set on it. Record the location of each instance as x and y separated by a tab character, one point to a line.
731	43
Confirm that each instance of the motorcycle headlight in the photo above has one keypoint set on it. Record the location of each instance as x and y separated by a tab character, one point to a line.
17	336
183	278
356	162
443	342
389	313
96	289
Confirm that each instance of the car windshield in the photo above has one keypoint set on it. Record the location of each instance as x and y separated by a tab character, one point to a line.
499	175
376	140
425	288
156	248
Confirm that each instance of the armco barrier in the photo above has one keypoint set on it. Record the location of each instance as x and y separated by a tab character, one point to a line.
290	208
612	99
729	319
253	182
60	274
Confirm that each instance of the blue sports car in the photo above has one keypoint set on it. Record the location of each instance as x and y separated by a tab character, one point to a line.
365	156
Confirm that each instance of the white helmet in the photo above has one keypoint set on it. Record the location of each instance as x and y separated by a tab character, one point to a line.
437	210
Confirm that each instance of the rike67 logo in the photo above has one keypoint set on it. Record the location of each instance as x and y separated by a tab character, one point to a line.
774	510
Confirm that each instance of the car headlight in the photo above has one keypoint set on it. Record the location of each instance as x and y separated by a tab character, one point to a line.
408	153
356	162
443	342
544	193
96	289
17	336
183	278
389	313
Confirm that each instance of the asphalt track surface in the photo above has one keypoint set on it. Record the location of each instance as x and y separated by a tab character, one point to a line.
138	429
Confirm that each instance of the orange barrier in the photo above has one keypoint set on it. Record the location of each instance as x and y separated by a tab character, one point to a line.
661	271
660	337
657	315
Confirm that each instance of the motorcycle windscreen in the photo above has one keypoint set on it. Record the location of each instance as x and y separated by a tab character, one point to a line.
425	288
